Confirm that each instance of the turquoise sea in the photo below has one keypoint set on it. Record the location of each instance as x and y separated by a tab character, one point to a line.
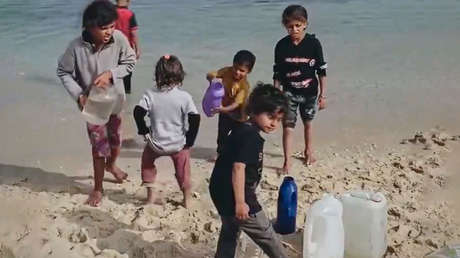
393	66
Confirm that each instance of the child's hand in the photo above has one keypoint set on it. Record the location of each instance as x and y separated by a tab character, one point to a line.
103	79
82	101
241	211
322	102
216	110
218	80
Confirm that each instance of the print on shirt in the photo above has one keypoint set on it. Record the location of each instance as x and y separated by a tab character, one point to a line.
299	61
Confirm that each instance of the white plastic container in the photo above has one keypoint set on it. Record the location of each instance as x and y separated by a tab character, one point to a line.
365	224
99	105
323	231
450	251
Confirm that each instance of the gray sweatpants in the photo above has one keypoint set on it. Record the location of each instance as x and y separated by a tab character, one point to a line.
257	227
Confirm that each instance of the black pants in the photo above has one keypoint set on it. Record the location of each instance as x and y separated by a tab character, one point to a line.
226	124
127	83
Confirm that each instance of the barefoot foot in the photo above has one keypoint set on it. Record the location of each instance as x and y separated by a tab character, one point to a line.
151	200
119	174
309	159
285	169
94	198
187	199
185	203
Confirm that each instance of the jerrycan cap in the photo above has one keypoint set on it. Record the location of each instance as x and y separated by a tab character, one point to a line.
288	178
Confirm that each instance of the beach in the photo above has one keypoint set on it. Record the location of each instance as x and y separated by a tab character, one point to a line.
46	216
391	126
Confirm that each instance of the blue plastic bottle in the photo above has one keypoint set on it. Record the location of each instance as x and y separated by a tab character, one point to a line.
287	207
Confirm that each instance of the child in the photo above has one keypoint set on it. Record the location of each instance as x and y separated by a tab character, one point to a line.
298	62
127	24
236	93
238	171
174	122
100	57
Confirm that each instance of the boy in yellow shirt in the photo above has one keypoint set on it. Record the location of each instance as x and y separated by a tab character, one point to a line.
234	79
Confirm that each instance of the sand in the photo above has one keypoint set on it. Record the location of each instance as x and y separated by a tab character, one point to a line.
43	214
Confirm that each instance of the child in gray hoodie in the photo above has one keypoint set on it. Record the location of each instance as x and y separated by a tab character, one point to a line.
100	57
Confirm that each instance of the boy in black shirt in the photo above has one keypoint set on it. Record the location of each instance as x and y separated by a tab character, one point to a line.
299	63
238	171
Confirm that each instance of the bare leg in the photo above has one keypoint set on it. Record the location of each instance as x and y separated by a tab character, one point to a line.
287	147
152	198
308	153
119	174
95	196
181	162
187	198
148	174
149	198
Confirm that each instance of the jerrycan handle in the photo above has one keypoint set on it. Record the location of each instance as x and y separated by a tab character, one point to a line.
366	196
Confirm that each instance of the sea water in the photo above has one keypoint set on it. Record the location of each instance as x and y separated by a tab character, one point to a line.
392	65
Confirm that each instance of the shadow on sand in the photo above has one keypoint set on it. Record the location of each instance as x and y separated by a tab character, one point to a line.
39	180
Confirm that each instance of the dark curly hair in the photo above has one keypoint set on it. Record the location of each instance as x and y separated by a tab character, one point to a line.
169	71
99	13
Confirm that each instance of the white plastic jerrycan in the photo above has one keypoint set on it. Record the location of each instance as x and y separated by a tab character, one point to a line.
365	224
323	231
449	251
99	105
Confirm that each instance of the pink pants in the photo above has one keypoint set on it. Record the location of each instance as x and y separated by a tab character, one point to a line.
104	137
181	162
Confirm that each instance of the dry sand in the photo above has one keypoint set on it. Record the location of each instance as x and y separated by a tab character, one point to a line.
43	214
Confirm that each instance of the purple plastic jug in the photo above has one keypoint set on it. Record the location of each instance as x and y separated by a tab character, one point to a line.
213	97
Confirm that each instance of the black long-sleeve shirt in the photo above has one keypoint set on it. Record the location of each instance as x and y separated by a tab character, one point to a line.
297	66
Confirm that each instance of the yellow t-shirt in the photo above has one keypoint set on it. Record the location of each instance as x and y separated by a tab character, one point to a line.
235	92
